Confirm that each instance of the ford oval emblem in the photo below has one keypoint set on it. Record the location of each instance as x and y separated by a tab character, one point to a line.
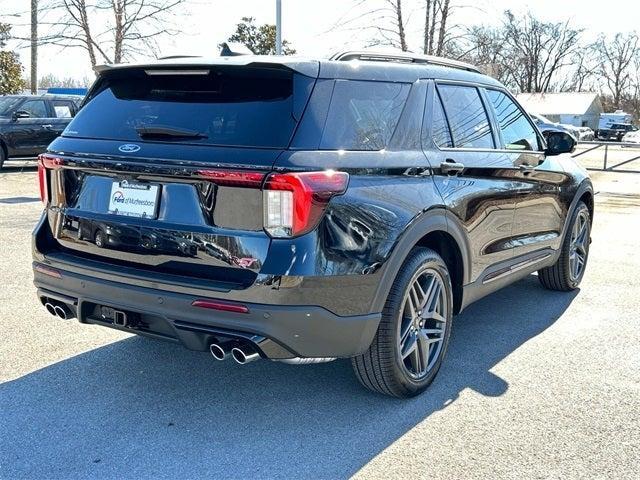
129	148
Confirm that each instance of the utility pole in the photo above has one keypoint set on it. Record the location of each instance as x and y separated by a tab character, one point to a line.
278	27
34	46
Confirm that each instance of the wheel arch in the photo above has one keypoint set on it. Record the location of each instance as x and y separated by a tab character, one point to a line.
439	230
587	198
584	193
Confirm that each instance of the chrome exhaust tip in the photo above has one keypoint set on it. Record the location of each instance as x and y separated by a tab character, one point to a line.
218	352
243	355
60	311
50	308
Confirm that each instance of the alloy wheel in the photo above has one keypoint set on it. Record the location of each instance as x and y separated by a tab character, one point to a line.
422	325
579	247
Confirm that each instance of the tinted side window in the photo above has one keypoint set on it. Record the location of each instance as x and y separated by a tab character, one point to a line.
439	126
517	132
36	108
467	116
363	115
63	108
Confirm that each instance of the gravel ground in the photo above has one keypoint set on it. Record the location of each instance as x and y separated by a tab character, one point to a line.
537	384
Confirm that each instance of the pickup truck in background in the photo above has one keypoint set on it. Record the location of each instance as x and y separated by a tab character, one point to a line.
614	126
28	123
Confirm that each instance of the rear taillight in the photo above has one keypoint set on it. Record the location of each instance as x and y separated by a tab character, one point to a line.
42	181
46	162
294	202
233	178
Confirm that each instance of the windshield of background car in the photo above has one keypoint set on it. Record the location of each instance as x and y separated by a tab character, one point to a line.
542	118
225	106
7	104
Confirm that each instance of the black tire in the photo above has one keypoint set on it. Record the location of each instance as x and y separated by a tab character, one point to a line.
560	276
3	157
381	367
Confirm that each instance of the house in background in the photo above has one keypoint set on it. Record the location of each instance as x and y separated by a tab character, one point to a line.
579	109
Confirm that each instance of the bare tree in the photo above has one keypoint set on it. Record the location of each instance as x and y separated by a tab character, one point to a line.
537	50
615	59
437	14
51	81
484	47
110	30
584	72
396	5
384	17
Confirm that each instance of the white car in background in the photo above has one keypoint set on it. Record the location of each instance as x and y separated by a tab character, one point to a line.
632	137
585	134
545	124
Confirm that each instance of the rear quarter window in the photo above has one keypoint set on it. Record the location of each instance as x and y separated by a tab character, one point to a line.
363	115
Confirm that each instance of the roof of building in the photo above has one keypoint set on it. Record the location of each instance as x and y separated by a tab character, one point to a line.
567	103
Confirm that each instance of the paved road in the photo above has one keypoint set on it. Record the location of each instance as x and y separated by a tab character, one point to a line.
536	384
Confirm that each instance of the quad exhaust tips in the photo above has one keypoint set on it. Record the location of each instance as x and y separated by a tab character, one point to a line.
61	312
241	353
58	310
50	308
219	351
244	354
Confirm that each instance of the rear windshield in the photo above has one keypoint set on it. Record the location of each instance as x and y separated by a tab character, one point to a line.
227	106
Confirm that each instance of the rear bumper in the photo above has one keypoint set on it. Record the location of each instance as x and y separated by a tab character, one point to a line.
288	330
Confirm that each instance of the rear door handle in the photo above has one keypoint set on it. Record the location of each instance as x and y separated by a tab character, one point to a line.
451	167
47	126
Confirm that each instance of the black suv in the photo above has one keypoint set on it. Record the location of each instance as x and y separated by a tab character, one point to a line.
303	210
615	132
29	123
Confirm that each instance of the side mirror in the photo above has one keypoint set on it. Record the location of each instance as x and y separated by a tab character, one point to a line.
559	142
20	114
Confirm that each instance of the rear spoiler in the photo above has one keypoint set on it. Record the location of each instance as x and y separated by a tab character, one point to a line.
307	67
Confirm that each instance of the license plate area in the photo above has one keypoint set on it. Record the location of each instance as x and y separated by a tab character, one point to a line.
133	199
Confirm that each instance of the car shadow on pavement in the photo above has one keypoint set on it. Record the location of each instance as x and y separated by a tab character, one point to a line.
140	408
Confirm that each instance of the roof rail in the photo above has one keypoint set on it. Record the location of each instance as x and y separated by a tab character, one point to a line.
402	57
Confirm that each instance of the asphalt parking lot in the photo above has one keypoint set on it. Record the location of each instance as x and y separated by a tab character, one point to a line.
536	384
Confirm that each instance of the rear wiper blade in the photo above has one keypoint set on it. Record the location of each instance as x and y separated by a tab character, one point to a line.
163	131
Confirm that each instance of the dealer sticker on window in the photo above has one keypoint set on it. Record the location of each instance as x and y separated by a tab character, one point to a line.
134	199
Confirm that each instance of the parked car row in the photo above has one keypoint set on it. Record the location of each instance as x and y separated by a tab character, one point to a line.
544	124
28	123
619	132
